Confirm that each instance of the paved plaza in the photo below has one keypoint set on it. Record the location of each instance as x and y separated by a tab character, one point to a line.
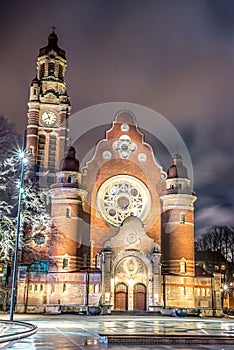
68	332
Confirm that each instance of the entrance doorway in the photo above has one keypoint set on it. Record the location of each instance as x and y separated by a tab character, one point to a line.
121	297
139	297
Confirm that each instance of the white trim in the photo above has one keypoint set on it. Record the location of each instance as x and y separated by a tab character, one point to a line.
32	126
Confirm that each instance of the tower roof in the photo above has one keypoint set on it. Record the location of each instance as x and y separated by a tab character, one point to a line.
35	81
70	163
177	169
52	45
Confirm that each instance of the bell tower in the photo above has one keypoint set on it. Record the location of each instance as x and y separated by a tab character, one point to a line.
48	112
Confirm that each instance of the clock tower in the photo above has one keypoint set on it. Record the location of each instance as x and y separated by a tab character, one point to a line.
48	111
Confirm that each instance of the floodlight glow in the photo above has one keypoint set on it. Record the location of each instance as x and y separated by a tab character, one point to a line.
21	154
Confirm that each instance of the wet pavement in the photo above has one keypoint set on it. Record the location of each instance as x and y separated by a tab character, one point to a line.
68	332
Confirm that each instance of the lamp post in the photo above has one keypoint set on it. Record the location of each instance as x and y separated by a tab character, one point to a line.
21	185
87	290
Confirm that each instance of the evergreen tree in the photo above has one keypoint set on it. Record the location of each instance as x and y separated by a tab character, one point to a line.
7	220
34	217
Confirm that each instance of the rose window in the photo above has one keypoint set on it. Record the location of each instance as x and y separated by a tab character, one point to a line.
122	196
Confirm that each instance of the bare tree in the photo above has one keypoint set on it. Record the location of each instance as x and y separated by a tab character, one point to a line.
219	239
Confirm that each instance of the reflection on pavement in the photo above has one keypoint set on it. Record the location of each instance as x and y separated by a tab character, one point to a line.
68	332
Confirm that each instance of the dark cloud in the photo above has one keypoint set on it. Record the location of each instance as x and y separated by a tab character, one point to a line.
176	57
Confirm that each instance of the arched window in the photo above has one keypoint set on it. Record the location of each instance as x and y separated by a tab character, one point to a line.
31	150
98	261
68	212
51	68
42	71
182	266
52	152
41	150
60	72
65	263
182	218
96	288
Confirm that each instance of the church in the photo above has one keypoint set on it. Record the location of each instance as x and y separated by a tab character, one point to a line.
122	227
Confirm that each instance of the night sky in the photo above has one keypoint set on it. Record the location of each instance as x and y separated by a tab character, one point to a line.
174	56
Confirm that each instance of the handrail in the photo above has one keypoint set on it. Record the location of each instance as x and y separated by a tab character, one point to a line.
18	335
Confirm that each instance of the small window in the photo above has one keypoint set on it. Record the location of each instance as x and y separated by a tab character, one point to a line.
31	150
30	287
65	263
182	266
68	213
35	288
182	218
98	261
41	288
85	259
34	91
96	288
198	291
52	288
42	71
60	72
51	68
64	287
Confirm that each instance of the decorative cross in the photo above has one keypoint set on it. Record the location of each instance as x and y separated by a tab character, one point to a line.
53	28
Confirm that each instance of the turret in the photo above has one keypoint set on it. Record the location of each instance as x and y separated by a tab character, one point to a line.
66	198
178	221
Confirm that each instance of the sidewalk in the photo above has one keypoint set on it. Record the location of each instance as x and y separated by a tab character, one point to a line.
68	332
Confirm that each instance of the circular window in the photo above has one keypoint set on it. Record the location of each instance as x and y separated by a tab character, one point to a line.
122	196
125	127
39	238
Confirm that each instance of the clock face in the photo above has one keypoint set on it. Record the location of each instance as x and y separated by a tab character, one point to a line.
48	118
121	196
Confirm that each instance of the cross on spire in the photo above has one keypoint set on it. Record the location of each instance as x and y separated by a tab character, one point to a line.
53	28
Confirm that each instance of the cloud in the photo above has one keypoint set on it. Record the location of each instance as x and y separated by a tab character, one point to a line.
213	215
176	59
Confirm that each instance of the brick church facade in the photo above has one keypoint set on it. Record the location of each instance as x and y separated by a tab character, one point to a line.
122	228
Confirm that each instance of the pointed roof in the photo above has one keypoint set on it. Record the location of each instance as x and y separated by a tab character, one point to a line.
52	45
177	169
70	163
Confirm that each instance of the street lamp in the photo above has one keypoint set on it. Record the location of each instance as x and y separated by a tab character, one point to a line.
23	160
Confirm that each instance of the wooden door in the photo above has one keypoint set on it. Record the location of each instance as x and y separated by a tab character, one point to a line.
121	297
139	297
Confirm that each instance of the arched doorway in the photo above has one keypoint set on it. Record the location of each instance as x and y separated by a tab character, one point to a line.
139	297
121	297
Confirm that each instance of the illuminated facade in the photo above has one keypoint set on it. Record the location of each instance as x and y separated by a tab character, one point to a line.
122	228
48	111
